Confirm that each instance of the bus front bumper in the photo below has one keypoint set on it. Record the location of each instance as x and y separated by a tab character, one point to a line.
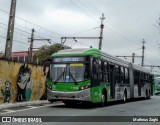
83	95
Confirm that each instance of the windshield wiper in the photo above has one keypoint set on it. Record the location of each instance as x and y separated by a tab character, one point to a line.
62	74
73	78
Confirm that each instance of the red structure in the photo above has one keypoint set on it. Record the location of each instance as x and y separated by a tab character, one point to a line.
21	56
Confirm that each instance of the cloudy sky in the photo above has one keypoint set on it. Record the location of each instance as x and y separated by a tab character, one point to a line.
127	23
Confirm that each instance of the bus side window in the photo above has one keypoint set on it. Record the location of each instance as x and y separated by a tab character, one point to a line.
122	75
135	77
95	71
106	72
126	76
142	78
117	74
100	71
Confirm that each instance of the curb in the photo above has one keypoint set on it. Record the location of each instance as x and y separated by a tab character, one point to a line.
20	104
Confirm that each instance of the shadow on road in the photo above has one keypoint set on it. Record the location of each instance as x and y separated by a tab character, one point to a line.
92	106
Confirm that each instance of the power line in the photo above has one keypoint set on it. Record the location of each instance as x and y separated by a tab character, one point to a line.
3	37
22	34
93	11
86	30
37	25
31	23
15	40
24	31
83	10
20	42
95	7
124	36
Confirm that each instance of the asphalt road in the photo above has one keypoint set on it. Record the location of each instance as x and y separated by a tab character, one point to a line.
139	107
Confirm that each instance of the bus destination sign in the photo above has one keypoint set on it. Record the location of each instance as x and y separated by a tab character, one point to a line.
68	59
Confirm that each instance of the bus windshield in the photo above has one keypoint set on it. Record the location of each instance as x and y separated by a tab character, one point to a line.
73	72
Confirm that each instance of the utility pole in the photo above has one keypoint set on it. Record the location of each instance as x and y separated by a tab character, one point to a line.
31	47
101	32
9	40
133	55
30	58
143	48
63	39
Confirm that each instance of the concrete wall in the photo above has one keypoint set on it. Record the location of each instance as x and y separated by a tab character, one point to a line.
21	82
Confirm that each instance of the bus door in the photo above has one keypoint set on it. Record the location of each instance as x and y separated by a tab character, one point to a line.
139	84
112	84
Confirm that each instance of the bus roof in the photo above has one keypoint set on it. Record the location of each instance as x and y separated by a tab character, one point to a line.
99	54
76	52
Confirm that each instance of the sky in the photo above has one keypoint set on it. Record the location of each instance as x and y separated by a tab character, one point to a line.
126	24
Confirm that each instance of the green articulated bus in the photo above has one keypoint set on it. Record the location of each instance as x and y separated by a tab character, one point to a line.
90	75
157	85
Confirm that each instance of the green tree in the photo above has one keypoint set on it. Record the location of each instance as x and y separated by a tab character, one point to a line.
46	51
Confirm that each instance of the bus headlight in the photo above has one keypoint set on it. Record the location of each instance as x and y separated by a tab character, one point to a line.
49	87
84	87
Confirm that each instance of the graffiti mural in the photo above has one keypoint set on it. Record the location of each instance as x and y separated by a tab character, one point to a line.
21	82
24	84
6	93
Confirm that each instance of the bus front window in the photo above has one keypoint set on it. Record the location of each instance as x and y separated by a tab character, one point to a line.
68	72
57	72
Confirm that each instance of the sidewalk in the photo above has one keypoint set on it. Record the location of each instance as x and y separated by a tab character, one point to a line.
19	104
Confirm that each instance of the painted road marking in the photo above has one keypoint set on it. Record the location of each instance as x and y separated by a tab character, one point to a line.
8	110
32	107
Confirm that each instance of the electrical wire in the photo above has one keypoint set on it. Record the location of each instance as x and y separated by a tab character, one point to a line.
31	23
84	31
83	11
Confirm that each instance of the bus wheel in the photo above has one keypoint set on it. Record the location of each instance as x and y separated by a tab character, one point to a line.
146	94
69	103
104	100
51	101
124	97
149	95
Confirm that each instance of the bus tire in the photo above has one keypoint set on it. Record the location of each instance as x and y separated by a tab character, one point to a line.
146	94
104	98
125	96
51	101
69	103
149	94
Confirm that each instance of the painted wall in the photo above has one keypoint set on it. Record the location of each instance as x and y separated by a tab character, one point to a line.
21	82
